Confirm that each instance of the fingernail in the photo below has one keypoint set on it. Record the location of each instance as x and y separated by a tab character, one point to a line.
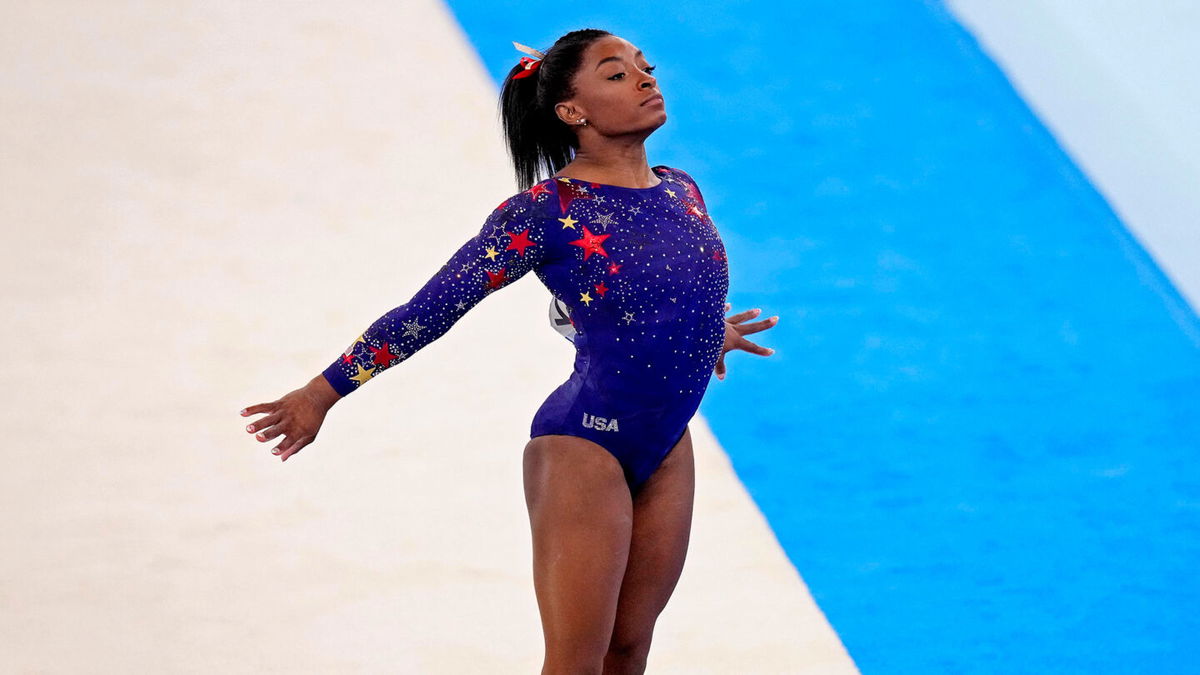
774	318
243	411
770	351
758	311
275	451
250	428
260	437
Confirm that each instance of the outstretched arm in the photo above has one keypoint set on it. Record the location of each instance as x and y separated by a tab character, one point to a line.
509	245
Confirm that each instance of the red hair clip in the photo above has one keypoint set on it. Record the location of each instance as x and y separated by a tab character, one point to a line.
528	64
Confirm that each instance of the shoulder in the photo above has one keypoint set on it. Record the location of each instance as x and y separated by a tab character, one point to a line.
678	173
530	204
682	177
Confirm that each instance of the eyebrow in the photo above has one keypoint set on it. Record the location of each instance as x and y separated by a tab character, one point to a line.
614	58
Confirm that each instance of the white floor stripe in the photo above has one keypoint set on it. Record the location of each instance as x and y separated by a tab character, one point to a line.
203	203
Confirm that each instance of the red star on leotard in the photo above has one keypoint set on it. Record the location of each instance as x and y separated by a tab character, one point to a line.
569	192
347	358
601	288
520	242
539	189
613	268
382	355
592	243
718	254
496	279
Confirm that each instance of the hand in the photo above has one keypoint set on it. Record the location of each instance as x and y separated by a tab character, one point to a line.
735	329
297	416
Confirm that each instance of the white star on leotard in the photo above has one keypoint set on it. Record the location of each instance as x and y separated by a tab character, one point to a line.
628	318
460	305
604	219
412	328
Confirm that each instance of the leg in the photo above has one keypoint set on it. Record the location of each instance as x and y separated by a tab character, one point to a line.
581	516
662	524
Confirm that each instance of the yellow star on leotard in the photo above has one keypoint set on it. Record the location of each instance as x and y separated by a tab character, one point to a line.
491	253
363	374
568	222
585	298
670	192
354	344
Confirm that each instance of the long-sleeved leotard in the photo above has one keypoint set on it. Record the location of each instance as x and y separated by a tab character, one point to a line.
644	275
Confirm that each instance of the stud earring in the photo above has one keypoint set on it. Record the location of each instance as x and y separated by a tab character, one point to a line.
583	122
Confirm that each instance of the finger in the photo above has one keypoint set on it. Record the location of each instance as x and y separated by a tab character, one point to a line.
749	346
295	448
746	329
272	432
263	423
727	306
742	316
721	367
259	408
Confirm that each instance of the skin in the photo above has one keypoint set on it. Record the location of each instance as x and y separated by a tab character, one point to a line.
605	563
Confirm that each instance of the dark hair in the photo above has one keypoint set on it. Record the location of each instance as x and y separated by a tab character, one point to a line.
537	139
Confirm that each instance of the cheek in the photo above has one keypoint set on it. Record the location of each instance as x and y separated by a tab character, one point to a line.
616	106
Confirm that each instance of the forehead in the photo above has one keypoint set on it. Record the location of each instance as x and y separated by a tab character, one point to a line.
612	48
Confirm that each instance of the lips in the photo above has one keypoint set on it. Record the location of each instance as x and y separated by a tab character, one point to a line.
656	97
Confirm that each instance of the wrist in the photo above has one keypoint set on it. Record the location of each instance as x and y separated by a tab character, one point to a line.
322	392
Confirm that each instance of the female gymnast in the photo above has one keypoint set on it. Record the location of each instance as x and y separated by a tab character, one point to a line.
631	253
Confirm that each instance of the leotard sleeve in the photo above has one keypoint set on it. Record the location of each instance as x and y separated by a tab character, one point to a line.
510	244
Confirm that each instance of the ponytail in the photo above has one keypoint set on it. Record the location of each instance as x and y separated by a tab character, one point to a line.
539	143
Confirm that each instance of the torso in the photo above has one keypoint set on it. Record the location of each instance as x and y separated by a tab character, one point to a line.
647	303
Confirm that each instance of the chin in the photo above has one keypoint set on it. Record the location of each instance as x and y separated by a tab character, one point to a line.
657	118
648	124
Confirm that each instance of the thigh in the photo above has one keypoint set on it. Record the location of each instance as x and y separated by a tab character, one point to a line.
662	524
580	514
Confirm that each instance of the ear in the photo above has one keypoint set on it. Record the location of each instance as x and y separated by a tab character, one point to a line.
569	112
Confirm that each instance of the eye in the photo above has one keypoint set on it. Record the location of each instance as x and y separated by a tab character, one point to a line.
648	69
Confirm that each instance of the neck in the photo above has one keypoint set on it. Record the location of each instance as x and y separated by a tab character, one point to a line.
616	161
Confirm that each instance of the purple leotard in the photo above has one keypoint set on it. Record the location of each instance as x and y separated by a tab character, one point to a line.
644	275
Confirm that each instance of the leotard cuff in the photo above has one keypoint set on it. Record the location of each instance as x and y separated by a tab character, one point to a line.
338	379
